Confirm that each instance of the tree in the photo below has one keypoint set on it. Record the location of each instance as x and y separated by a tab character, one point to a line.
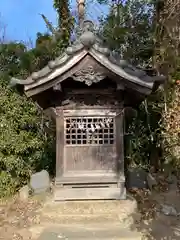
128	29
167	60
58	37
65	19
10	55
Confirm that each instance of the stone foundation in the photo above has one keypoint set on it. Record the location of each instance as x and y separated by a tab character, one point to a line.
85	211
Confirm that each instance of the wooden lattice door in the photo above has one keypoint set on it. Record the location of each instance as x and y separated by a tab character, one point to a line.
89	143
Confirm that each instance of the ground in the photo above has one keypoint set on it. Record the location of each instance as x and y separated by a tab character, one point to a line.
29	219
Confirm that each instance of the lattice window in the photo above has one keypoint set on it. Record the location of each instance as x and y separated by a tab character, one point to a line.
89	130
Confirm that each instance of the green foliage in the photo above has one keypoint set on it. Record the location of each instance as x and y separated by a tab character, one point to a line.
25	147
134	30
162	112
65	19
21	142
171	127
143	133
9	57
128	29
167	58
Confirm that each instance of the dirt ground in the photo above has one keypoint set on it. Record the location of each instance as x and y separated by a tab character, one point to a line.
19	219
154	222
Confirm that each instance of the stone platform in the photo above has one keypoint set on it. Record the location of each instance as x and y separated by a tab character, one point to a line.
85	211
78	220
90	232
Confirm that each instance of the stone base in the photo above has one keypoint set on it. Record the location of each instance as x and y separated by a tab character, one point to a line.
90	211
61	194
89	189
96	219
75	232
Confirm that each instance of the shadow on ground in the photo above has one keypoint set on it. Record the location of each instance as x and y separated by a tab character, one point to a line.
152	222
27	220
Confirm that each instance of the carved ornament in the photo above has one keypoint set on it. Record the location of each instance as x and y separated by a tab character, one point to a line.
88	75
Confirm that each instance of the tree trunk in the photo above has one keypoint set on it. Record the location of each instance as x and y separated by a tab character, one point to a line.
167	35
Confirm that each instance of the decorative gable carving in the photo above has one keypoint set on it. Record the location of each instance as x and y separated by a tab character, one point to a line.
88	75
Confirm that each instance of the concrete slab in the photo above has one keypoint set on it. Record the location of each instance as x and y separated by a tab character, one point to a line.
82	233
83	211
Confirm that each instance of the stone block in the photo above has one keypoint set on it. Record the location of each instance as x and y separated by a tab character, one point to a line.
136	178
90	232
24	193
151	181
40	182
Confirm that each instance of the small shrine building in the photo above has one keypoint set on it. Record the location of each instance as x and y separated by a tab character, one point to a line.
87	89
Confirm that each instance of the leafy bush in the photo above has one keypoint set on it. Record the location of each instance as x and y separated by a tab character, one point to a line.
143	133
22	140
24	145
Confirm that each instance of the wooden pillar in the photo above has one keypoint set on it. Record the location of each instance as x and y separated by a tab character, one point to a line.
120	142
59	144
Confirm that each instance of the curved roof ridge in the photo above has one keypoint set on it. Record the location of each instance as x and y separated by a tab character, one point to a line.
88	42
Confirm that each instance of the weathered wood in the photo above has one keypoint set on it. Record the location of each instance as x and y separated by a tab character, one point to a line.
89	178
91	112
92	161
57	87
73	106
84	151
59	144
120	143
91	165
43	84
109	91
120	86
90	158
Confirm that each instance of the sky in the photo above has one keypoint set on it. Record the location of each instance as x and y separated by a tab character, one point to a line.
22	20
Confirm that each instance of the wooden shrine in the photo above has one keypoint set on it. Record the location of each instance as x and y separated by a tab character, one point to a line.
87	89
